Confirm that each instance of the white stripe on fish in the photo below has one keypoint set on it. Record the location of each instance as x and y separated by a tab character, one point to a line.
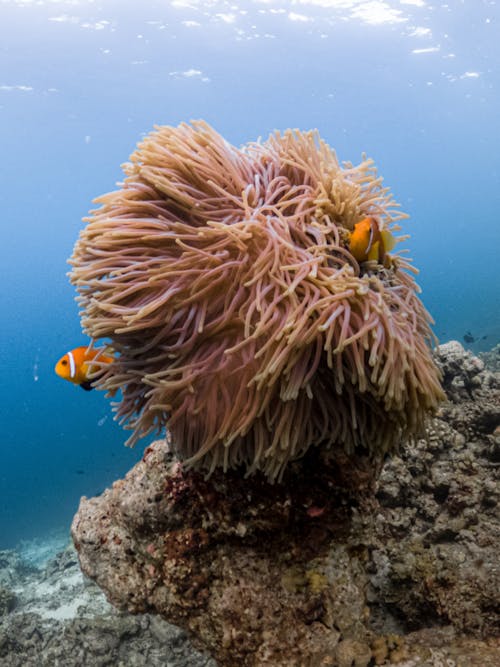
72	365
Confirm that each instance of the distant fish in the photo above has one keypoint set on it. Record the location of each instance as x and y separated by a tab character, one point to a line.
368	242
469	338
76	366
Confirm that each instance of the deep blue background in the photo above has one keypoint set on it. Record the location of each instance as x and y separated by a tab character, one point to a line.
81	82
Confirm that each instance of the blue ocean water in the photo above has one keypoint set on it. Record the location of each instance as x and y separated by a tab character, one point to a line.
414	84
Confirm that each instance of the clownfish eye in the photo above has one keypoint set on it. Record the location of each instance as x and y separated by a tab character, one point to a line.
64	362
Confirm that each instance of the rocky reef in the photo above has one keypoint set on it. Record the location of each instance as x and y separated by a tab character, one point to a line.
491	358
50	614
329	568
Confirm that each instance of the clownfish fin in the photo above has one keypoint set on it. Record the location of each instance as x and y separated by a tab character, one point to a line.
87	385
388	240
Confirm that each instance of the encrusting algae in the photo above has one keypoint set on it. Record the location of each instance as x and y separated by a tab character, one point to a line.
244	319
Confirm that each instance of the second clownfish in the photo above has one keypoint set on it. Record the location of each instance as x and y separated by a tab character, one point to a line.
76	366
368	242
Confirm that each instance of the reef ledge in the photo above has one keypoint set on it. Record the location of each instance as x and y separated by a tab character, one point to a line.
342	564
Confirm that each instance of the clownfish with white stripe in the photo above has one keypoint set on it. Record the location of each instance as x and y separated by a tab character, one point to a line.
76	366
368	242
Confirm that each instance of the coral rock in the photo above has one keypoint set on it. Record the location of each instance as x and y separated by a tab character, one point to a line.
325	567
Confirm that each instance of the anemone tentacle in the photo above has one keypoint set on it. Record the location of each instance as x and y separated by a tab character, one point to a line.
242	323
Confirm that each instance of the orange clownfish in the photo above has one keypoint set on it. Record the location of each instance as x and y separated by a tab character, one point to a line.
368	242
76	367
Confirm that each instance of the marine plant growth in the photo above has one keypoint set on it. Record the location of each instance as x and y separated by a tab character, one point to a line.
241	320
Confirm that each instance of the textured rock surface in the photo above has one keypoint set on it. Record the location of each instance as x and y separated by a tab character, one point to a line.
60	618
440	528
258	573
310	573
492	358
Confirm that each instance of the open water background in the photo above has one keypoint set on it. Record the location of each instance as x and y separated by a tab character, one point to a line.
414	84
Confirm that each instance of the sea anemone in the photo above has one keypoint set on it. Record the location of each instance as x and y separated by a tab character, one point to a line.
242	324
